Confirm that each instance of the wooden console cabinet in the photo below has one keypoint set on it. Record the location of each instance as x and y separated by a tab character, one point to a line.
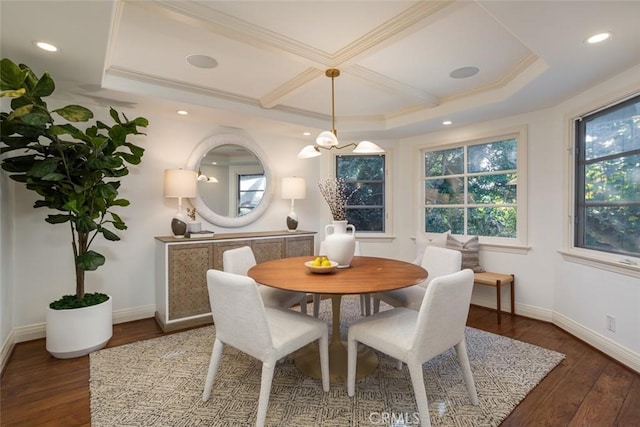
182	299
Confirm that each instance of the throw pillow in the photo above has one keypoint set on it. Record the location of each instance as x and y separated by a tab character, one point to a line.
422	241
470	251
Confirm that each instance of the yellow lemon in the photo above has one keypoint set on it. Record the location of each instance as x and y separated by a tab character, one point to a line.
326	263
317	262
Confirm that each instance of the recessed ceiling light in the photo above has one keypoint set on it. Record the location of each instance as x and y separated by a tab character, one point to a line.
447	122
46	46
597	38
202	61
307	133
464	72
182	112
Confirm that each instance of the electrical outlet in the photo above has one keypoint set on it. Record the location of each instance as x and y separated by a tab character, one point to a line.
611	323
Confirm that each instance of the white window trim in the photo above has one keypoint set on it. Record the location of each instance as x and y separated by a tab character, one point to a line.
520	243
388	197
616	263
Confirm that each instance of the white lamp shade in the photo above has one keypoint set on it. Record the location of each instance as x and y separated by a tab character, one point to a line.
180	183
294	188
367	147
308	152
327	139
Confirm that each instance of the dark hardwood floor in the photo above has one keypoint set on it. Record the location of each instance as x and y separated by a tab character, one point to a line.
586	389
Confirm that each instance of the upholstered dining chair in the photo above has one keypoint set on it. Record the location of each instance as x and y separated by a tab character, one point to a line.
415	337
365	299
266	333
438	262
240	260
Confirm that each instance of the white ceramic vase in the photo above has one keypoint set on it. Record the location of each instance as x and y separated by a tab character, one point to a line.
340	242
79	331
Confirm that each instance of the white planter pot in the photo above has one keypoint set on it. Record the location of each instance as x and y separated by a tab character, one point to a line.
79	331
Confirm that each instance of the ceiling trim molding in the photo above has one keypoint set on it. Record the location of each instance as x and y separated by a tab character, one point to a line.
281	93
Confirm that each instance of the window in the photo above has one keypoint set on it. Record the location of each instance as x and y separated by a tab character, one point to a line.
366	174
607	179
250	191
477	188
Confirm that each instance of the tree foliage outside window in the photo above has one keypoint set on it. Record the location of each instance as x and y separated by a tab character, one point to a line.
366	206
472	189
608	179
250	191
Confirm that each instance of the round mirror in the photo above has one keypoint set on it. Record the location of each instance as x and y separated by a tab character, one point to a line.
234	181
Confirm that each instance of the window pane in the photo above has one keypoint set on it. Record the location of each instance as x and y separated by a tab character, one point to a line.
444	191
494	156
366	219
495	222
367	194
439	220
615	132
252	182
613	229
614	180
492	189
444	162
360	168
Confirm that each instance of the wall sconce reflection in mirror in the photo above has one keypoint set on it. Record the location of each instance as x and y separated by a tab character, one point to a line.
203	178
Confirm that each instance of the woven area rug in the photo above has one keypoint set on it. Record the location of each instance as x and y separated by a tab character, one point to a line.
159	382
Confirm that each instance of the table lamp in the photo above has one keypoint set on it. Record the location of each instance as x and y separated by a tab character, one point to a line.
179	183
293	188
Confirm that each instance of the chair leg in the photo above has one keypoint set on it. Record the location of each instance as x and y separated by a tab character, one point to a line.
362	306
376	304
303	304
352	360
316	305
324	359
216	355
463	359
417	381
265	389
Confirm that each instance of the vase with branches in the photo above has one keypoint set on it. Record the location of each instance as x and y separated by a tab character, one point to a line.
336	193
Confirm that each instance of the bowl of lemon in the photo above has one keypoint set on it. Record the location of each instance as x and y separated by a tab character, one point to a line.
321	265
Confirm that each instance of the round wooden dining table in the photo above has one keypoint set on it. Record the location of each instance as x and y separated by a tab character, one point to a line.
364	275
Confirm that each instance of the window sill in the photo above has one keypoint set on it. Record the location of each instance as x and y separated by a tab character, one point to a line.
616	264
507	248
375	237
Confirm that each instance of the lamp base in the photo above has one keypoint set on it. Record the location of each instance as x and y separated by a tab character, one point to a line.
292	222
178	227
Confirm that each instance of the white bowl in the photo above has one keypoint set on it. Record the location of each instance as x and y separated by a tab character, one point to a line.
321	269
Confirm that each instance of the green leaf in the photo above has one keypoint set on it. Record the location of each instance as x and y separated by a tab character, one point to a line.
141	121
114	115
13	93
109	235
53	177
84	224
11	76
120	202
44	87
57	219
42	168
89	260
75	113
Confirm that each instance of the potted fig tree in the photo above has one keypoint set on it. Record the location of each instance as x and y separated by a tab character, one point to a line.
75	172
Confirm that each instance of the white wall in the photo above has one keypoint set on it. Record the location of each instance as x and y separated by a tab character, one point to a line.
548	287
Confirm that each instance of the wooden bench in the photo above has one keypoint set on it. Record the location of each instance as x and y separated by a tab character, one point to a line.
497	280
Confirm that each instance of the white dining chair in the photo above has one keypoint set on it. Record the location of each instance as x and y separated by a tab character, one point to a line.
438	262
266	333
415	337
240	260
365	299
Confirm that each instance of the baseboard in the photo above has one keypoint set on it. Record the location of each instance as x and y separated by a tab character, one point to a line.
131	314
521	309
7	348
602	343
38	330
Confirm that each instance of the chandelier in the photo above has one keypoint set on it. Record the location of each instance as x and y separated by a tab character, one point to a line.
328	140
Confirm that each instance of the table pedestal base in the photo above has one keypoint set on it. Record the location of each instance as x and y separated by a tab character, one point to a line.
307	359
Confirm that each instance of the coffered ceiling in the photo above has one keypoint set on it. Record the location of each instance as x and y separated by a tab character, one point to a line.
396	58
